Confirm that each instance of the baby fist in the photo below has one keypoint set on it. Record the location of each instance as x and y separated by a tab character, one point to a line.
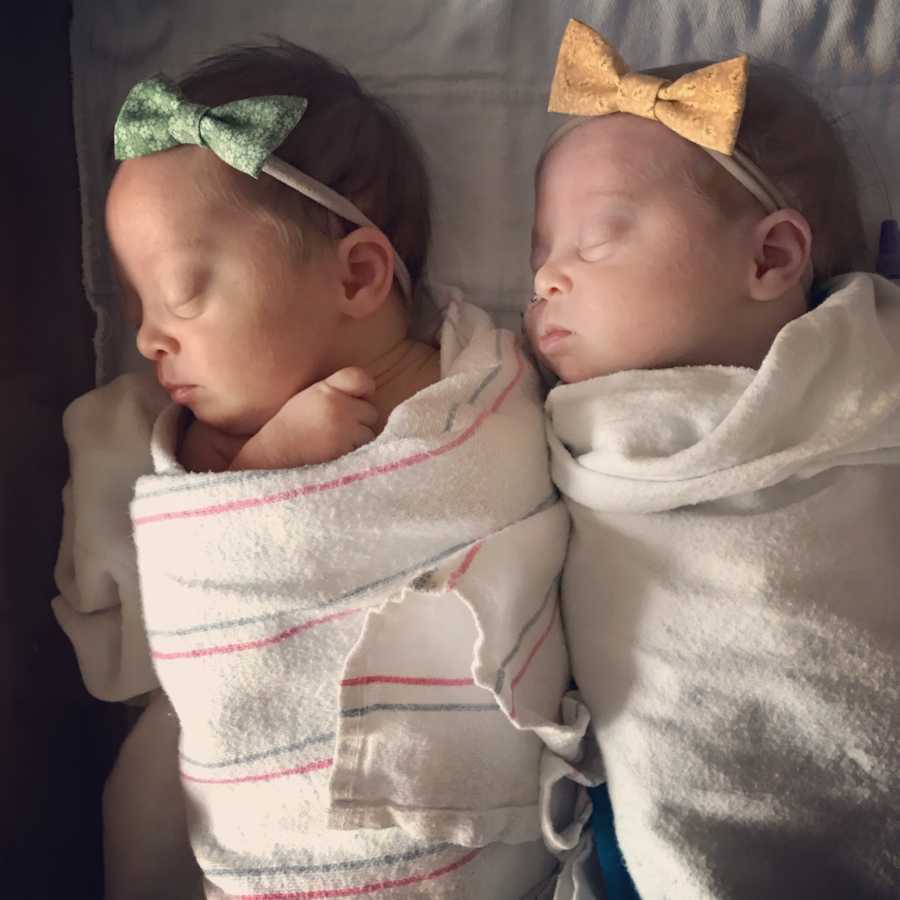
318	424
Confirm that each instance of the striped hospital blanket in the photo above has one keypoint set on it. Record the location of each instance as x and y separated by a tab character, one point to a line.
366	657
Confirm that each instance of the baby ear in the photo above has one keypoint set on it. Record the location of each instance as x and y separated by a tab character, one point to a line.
366	261
782	246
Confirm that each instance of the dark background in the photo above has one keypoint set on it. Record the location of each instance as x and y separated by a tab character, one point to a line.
56	743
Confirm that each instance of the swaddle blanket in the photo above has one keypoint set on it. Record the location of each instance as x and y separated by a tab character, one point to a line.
732	604
366	656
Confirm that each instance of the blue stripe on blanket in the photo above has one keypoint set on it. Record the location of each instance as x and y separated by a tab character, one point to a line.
492	374
253	757
345	865
422	565
501	672
355	592
451	417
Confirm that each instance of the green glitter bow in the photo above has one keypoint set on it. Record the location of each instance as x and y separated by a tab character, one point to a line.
155	116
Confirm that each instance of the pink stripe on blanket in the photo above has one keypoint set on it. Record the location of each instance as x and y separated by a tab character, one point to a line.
372	888
268	776
463	567
255	645
198	652
402	679
282	496
527	663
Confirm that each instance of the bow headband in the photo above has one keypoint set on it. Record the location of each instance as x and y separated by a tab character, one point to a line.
704	106
244	134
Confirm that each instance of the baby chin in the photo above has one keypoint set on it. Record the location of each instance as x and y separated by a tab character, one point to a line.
570	369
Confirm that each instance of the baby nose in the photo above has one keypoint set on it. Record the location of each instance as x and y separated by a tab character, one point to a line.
152	341
550	281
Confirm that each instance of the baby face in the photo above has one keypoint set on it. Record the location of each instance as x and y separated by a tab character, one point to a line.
235	321
633	267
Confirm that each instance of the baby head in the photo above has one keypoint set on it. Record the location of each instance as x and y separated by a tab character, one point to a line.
245	290
648	253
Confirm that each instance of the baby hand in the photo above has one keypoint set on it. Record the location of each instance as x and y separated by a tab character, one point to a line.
204	449
319	424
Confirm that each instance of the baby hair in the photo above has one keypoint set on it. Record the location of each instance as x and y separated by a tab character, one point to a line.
800	148
348	139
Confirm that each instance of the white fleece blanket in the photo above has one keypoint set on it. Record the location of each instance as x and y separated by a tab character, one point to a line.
366	657
732	603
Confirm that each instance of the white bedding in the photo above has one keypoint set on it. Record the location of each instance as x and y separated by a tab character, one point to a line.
472	78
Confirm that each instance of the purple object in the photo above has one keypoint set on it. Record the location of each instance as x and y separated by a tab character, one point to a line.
888	263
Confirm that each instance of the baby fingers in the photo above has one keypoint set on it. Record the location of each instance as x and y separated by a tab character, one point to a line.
362	411
352	380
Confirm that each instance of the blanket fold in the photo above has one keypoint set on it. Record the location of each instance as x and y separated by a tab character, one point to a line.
732	608
366	657
827	394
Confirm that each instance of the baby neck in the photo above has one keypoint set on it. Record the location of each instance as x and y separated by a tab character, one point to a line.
764	324
404	369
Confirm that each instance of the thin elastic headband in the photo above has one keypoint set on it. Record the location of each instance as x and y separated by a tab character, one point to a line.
243	134
336	203
738	165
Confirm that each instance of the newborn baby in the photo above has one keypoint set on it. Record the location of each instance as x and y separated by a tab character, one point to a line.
348	545
726	433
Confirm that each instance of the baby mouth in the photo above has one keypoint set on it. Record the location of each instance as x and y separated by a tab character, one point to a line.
180	393
552	338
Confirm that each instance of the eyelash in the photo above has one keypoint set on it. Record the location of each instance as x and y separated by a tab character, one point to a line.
188	304
593	245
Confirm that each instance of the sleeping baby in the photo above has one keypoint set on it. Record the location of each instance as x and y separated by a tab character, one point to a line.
348	543
726	433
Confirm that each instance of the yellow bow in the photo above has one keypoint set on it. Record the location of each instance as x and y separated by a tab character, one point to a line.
704	106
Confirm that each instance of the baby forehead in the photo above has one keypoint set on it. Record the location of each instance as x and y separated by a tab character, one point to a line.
179	174
619	150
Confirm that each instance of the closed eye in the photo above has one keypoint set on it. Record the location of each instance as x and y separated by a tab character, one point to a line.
187	309
595	252
600	236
